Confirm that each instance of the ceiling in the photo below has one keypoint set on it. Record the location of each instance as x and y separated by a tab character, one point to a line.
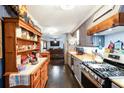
65	21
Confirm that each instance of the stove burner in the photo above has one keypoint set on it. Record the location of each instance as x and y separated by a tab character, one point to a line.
88	62
104	69
114	74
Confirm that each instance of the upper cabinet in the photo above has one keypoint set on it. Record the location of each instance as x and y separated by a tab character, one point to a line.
106	17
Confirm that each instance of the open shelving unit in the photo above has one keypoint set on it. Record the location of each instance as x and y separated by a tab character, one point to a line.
11	41
27	51
26	40
39	76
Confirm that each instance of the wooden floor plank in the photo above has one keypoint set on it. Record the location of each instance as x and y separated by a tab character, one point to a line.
61	77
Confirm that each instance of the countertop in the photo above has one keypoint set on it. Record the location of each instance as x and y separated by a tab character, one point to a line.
45	52
30	68
84	57
118	81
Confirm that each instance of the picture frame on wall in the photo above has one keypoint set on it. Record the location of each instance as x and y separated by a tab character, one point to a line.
0	38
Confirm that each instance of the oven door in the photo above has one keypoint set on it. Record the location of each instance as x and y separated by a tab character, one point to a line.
88	82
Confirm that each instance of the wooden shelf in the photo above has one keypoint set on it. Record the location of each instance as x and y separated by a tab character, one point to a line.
113	21
11	42
27	51
21	23
27	40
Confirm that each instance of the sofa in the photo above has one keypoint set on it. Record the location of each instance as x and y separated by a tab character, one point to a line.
56	56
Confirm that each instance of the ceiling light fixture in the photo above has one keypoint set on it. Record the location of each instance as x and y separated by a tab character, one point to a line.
55	41
67	7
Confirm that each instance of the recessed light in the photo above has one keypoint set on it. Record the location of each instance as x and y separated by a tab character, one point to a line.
110	29
95	34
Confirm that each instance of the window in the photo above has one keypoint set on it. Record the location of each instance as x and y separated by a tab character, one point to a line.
77	36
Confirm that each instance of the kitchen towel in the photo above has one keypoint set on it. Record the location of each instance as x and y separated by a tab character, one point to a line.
19	79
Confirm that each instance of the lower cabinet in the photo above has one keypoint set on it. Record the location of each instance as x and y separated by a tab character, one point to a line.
40	77
69	60
77	69
35	78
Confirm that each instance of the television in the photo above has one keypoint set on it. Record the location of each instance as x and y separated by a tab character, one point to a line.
53	43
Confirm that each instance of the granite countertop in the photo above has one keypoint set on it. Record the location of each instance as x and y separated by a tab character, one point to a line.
84	57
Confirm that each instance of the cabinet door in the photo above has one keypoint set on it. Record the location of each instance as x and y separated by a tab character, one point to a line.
44	74
69	60
79	71
35	78
75	66
46	71
42	77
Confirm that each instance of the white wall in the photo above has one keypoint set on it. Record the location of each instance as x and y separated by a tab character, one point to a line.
114	37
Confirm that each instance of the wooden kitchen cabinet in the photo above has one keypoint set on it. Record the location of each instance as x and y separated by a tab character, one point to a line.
38	78
112	21
44	75
35	79
39	75
46	54
13	42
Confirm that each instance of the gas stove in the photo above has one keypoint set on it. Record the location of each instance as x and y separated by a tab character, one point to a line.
90	72
114	74
101	73
106	70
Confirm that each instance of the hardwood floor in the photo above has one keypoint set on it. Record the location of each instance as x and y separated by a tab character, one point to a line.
61	77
